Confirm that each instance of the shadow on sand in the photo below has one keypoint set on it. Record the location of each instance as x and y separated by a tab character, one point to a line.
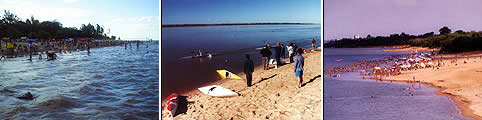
263	79
311	80
181	105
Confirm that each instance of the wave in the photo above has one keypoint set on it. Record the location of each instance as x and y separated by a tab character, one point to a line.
58	103
11	114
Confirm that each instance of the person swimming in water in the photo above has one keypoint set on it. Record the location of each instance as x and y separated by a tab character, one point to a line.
51	56
3	55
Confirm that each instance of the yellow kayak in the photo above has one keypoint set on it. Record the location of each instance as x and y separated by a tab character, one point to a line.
226	74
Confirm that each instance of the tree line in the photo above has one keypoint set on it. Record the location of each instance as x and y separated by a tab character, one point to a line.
458	41
14	27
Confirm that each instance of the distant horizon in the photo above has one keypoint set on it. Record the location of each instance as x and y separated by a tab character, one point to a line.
244	23
239	23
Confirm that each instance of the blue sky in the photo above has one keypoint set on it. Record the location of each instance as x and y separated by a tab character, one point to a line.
128	19
240	11
346	18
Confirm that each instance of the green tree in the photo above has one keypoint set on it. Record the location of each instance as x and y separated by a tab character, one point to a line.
459	31
444	30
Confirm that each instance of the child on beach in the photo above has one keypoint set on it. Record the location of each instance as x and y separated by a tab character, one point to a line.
298	68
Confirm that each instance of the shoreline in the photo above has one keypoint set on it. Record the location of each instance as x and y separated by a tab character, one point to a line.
460	87
195	91
408	48
264	85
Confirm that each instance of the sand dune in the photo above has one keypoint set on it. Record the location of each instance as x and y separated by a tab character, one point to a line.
273	96
463	82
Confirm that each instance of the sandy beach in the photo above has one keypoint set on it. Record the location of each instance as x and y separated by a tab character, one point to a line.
400	48
462	82
273	96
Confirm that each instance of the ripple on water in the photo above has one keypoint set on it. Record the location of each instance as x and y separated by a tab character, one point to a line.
98	76
86	90
14	111
58	103
103	85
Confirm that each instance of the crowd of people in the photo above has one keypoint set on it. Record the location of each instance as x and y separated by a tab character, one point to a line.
294	53
393	65
20	48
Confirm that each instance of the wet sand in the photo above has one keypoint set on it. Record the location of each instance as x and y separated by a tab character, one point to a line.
273	96
462	82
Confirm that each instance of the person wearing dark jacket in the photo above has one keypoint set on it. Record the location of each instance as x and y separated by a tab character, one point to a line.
277	51
266	53
283	53
248	70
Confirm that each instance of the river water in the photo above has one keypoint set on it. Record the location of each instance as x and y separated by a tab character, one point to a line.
109	83
230	43
349	97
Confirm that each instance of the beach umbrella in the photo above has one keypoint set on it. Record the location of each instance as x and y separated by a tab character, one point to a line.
378	68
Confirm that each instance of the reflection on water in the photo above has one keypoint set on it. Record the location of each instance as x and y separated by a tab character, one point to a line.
108	83
352	98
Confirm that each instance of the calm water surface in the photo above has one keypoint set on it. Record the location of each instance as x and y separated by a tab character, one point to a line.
349	97
109	83
230	42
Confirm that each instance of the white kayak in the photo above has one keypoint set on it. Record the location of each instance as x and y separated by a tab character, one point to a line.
217	91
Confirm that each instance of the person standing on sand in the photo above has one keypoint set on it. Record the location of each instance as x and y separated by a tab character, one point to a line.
266	53
291	52
248	70
283	53
277	51
298	68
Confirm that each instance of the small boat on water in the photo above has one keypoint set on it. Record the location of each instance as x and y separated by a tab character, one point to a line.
339	60
199	56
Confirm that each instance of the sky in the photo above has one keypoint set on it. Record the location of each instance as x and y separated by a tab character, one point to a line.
128	19
346	18
240	11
